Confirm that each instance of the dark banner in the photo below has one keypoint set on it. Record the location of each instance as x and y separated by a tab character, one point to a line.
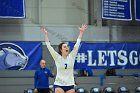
20	55
12	9
116	9
108	55
137	10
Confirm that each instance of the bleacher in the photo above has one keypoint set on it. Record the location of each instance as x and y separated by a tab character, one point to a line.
18	81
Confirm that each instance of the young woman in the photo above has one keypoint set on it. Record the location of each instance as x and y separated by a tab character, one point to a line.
64	82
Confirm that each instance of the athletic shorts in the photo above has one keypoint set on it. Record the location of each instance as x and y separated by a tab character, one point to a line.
65	88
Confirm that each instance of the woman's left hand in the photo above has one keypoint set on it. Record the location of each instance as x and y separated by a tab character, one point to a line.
83	28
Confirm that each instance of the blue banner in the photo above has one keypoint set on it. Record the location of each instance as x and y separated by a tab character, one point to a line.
108	55
20	55
137	9
12	9
116	9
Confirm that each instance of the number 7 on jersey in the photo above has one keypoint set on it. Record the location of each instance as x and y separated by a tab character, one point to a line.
66	66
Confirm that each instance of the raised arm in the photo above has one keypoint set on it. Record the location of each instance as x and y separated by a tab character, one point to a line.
50	48
82	29
44	30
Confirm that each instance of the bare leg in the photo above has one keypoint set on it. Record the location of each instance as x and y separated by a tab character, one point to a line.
59	90
71	91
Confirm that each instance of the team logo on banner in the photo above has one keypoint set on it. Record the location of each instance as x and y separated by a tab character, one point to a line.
19	56
12	56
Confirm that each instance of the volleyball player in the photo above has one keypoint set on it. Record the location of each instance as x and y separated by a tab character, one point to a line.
64	82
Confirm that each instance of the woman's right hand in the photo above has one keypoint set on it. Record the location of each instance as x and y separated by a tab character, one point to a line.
44	30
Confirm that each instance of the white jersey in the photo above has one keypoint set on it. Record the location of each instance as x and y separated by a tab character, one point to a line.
65	67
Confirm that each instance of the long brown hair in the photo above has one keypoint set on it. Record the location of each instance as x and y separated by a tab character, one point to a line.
60	47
